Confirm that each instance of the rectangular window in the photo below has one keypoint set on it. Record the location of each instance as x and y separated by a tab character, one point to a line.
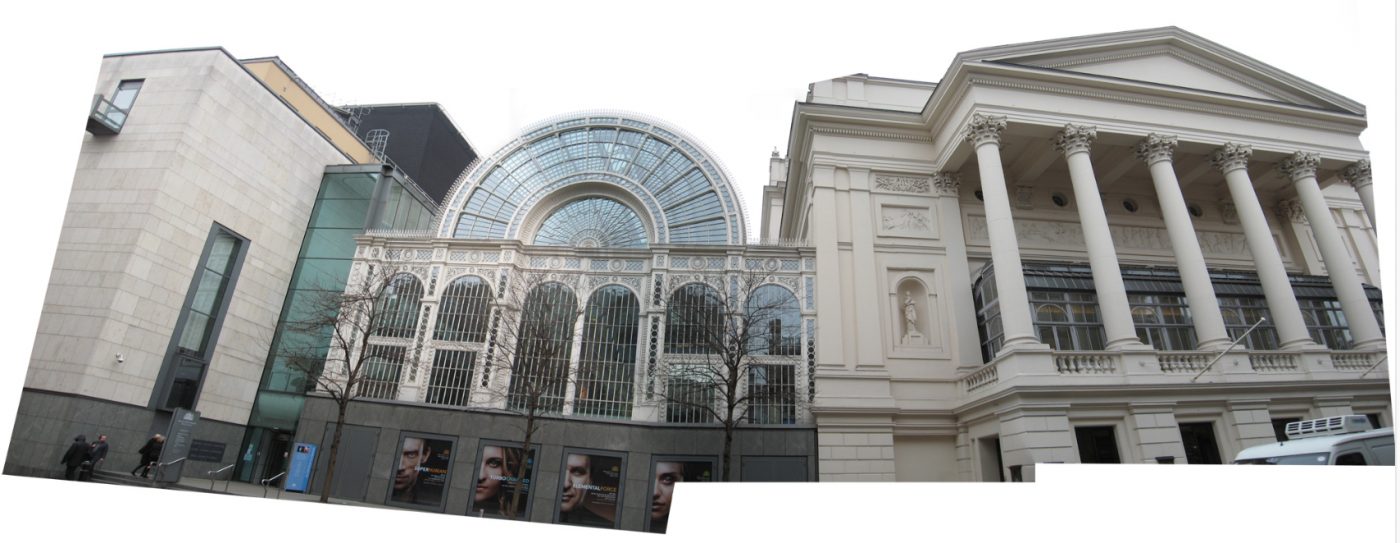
201	317
379	376
122	101
450	381
772	394
690	394
1097	445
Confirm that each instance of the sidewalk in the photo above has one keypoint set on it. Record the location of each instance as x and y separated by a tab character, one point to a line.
236	488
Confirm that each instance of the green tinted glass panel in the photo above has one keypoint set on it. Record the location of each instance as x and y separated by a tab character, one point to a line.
277	410
358	186
322	274
340	214
329	243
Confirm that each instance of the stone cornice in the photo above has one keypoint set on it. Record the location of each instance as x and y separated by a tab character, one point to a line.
866	133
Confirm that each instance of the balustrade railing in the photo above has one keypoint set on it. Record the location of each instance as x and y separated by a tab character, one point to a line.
1354	360
1273	362
1086	363
1182	362
980	378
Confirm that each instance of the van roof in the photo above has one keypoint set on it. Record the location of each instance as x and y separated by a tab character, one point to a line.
1307	445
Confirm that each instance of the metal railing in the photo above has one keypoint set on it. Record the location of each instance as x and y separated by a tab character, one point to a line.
213	472
160	468
264	483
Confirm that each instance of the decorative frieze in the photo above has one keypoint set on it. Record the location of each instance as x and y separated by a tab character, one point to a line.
900	219
902	183
1024	198
1056	234
1228	214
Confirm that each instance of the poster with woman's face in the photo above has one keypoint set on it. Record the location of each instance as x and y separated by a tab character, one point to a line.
591	490
420	473
500	470
665	475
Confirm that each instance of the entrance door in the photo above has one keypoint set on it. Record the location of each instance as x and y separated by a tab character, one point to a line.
352	463
1199	440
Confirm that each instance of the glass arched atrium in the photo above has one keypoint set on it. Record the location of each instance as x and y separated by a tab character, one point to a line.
677	189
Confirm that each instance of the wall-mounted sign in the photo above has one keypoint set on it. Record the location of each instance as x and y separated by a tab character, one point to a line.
421	471
590	490
666	472
299	471
504	476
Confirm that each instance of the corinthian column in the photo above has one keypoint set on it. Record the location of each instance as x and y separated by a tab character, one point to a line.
1211	334
984	133
1359	175
1231	160
1365	332
1074	142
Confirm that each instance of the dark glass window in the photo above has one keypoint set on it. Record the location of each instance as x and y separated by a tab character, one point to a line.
1280	428
123	99
544	344
609	354
773	319
1242	312
201	317
397	307
1097	444
1199	440
772	394
694	320
450	381
463	311
1163	321
1067	321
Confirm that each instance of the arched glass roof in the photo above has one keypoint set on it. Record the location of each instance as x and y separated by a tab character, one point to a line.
685	194
593	222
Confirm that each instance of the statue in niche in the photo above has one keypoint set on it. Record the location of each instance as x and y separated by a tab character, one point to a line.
912	336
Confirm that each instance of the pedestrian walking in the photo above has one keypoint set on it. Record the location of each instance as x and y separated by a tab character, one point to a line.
76	455
98	453
150	453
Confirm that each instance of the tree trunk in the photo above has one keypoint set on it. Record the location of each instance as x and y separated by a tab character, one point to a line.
524	462
335	449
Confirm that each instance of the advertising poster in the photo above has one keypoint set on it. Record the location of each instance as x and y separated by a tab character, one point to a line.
591	489
420	473
665	474
500	470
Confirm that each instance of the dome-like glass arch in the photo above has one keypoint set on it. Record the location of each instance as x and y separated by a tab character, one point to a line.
679	191
593	222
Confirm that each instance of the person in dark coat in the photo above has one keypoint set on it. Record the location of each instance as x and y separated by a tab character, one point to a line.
76	455
150	453
98	452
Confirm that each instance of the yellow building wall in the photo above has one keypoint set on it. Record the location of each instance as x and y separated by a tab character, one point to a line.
283	85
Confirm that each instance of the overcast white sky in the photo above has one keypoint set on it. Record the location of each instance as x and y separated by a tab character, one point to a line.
726	72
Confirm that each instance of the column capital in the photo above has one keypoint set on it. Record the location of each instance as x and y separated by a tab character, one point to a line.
1292	210
1300	166
1075	139
1231	157
1156	148
1359	173
984	129
946	184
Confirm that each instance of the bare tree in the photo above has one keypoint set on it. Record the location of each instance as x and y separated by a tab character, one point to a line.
535	343
336	352
731	356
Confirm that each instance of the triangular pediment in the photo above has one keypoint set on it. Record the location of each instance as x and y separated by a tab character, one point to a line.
1172	57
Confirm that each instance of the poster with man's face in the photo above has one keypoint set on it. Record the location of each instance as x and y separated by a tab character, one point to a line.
591	490
500	470
420	471
665	474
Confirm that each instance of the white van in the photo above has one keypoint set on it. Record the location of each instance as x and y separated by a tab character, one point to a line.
1339	441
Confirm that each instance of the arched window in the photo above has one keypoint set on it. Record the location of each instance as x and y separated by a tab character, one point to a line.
773	319
544	343
463	311
593	222
396	310
609	354
396	316
694	320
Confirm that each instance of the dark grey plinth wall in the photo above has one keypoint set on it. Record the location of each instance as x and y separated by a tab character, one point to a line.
640	442
46	423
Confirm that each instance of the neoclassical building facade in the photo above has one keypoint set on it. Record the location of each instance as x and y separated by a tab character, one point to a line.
1131	247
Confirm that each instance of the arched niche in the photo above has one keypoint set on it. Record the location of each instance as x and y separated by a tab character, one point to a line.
912	301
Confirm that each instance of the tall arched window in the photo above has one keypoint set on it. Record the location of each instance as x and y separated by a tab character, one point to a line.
396	310
463	311
609	354
773	319
544	343
462	316
694	320
396	316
